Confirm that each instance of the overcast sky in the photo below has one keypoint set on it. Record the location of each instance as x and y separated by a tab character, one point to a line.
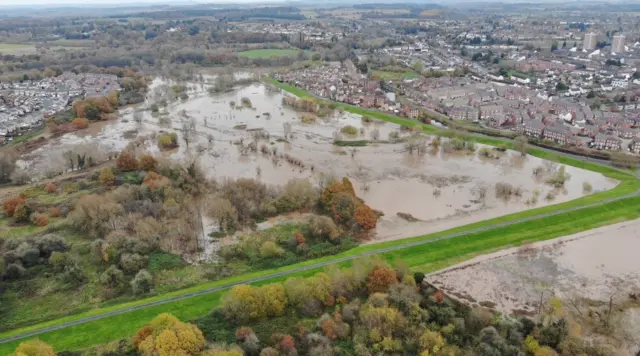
118	2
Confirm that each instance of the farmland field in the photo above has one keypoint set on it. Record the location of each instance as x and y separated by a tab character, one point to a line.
72	43
267	53
17	49
395	75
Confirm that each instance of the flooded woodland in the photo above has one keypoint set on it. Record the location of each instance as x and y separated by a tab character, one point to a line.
261	138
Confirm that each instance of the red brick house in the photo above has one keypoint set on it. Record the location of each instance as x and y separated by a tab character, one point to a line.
607	142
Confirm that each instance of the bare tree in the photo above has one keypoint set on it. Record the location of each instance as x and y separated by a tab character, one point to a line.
69	157
7	164
375	134
186	132
287	130
137	116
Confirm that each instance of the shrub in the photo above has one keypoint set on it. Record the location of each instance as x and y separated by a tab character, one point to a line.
419	277
558	178
154	180
34	348
297	194
132	262
54	212
299	238
126	162
22	213
58	260
142	282
270	249
106	176
50	188
506	190
166	335
586	187
349	130
112	278
485	152
80	123
40	220
161	261
14	271
148	163
168	140
308	119
20	177
323	227
9	206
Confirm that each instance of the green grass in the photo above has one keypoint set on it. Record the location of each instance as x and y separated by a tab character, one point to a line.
72	43
425	258
518	74
10	48
26	137
379	74
267	53
358	143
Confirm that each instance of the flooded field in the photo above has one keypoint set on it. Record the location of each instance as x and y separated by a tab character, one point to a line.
588	269
431	192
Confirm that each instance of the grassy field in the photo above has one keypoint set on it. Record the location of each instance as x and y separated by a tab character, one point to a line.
72	43
378	74
426	258
267	53
11	48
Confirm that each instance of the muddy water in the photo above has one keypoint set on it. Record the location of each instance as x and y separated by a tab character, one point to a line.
594	264
440	189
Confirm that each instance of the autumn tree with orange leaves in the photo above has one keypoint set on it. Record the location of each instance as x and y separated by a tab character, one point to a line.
339	199
380	278
126	162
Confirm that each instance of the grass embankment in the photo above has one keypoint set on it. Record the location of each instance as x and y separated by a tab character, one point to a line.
267	53
426	258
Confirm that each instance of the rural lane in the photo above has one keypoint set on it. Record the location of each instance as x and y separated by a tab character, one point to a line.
304	268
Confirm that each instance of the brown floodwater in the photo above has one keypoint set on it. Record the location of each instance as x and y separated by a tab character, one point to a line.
441	190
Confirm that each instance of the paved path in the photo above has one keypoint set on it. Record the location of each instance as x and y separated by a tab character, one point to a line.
305	268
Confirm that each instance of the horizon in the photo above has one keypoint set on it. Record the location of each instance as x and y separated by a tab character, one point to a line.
124	3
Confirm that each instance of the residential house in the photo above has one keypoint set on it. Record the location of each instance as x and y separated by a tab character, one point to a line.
489	111
634	146
607	142
533	128
556	133
463	113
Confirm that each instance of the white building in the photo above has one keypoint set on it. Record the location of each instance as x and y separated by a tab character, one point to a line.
619	83
590	40
618	43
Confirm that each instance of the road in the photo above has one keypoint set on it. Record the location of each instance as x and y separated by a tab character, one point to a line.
305	268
